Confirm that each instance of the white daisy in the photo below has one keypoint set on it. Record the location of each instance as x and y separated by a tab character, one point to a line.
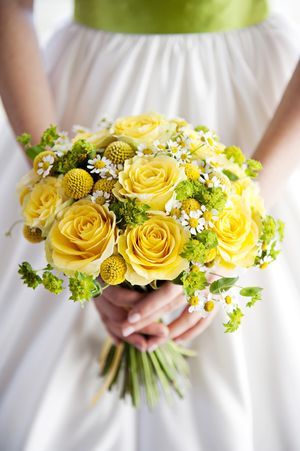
104	123
62	144
207	303
80	129
210	217
193	222
101	197
102	166
45	165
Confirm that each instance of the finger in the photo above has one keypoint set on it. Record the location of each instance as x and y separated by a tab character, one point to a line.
154	301
111	311
185	321
153	343
197	329
156	330
122	296
194	331
135	339
114	337
128	328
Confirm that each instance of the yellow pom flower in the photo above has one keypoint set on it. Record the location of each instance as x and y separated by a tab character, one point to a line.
119	151
43	163
191	171
32	234
113	270
104	185
189	205
77	183
209	306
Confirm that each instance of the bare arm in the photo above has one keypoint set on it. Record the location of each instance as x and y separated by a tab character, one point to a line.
279	149
24	87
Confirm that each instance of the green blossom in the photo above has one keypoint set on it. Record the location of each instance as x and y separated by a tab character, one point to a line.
212	198
236	154
194	280
48	139
80	151
195	251
269	228
52	283
184	190
130	212
253	168
280	229
208	238
29	276
83	287
234	322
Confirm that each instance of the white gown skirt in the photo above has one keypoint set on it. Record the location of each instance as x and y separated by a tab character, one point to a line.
245	391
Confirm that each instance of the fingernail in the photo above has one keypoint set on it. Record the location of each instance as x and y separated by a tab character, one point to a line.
134	317
127	331
152	348
141	348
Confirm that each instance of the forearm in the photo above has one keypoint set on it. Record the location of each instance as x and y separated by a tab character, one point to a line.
24	87
279	149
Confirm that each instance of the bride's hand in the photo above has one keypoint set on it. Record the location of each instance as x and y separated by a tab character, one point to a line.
113	305
153	306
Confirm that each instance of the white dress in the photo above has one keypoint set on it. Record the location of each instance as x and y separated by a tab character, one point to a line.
245	393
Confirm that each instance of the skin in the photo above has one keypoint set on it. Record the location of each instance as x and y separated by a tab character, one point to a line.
27	98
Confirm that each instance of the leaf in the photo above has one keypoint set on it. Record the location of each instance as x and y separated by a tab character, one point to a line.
250	291
33	151
234	320
222	284
230	175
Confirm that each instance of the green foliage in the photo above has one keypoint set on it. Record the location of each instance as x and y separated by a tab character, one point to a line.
253	168
83	287
222	284
234	322
48	139
195	251
236	154
212	198
252	292
208	238
52	283
269	228
130	212
74	158
184	190
194	280
29	276
233	177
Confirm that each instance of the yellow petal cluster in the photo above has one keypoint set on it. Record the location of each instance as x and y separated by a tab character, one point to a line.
151	180
144	128
82	238
238	234
104	185
43	202
152	250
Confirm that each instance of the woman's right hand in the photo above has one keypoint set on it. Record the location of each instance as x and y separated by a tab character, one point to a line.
113	306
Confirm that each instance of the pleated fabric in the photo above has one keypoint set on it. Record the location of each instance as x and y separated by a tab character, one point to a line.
245	392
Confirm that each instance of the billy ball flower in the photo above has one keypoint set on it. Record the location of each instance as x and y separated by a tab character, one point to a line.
32	234
119	151
113	270
43	163
77	183
104	185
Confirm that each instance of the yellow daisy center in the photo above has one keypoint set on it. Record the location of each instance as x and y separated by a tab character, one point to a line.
209	306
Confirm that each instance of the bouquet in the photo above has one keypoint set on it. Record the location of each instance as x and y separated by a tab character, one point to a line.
137	202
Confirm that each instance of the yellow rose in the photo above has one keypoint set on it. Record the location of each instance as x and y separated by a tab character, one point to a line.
43	202
144	128
82	238
152	250
238	234
100	138
151	180
26	184
249	190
